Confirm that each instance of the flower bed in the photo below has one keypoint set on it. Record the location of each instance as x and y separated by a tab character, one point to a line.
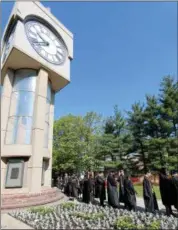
72	215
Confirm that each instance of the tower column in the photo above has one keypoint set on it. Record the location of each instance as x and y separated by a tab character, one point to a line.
36	160
5	102
48	172
5	105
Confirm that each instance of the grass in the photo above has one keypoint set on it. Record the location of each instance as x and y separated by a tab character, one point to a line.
139	189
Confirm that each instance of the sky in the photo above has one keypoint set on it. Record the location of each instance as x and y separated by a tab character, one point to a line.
121	52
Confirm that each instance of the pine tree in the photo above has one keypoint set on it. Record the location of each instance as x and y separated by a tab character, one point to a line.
136	122
168	98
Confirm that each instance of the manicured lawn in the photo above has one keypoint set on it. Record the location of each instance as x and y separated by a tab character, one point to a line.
139	189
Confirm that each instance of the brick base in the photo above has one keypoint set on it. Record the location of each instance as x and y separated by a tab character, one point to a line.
13	201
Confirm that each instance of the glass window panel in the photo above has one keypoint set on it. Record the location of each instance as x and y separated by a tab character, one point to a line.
26	103
49	92
14	103
23	133
22	103
11	130
46	133
25	80
19	130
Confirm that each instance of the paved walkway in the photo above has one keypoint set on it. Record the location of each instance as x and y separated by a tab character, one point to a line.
8	222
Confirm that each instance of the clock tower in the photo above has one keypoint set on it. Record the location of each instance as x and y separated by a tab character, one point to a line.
35	64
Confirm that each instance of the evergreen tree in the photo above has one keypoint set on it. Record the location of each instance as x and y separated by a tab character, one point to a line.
136	122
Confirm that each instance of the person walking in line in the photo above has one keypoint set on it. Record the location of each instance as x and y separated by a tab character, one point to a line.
149	196
165	185
87	188
175	189
100	188
129	193
113	199
75	187
121	186
81	180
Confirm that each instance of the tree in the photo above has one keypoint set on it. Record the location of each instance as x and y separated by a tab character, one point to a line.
157	131
136	122
168	98
112	141
69	143
75	143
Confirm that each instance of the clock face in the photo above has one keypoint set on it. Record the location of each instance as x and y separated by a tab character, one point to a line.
7	45
45	42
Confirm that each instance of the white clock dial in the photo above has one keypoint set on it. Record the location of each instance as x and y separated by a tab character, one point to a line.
45	42
7	46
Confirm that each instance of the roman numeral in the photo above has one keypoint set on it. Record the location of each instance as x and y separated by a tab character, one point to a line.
39	48
58	56
31	32
34	40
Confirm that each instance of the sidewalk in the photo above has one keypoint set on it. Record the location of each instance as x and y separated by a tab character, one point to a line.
8	222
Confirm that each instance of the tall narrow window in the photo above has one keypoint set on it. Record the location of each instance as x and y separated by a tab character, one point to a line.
20	119
47	115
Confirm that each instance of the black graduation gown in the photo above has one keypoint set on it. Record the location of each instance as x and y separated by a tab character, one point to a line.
75	187
149	197
87	190
113	198
96	188
81	186
121	189
65	184
100	188
68	190
165	185
129	194
175	191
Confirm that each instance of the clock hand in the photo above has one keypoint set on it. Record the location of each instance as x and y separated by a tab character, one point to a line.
43	39
42	43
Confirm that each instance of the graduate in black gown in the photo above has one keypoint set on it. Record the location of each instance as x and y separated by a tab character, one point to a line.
75	187
175	189
121	186
129	193
96	186
68	188
149	196
165	185
87	188
65	184
80	190
113	198
100	188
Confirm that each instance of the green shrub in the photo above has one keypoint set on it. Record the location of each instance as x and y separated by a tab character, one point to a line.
124	222
155	225
41	210
89	216
68	205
